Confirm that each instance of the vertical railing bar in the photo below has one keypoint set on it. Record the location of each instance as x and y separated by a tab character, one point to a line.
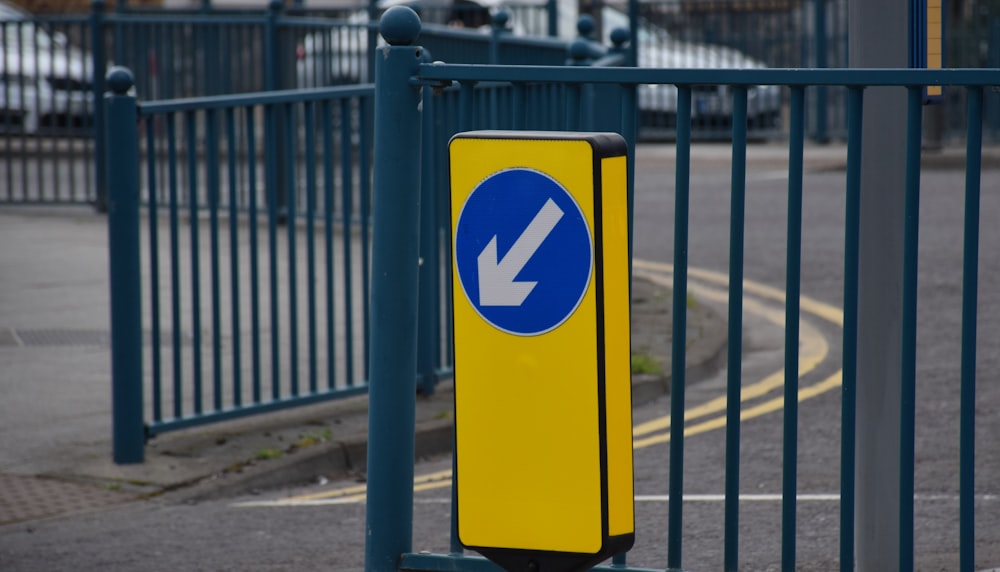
493	100
466	101
855	108
347	208
252	226
55	131
519	105
364	188
22	104
792	290
74	157
190	126
571	120
734	377
326	114
455	544
175	264
428	287
970	281
39	73
232	148
291	226
446	254
271	169
8	157
154	274
630	130
212	186
909	325
678	373
310	158
57	183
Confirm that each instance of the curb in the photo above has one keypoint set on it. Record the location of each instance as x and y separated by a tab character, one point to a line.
433	437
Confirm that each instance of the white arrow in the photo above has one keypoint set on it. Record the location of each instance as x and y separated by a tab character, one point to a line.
496	278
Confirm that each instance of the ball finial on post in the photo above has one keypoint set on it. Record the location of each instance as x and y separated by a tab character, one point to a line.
619	36
585	26
500	20
120	80
400	26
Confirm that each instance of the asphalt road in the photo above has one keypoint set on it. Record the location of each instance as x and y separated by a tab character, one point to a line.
279	534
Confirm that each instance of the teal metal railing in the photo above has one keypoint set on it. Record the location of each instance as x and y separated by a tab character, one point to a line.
255	268
256	278
390	487
55	150
56	157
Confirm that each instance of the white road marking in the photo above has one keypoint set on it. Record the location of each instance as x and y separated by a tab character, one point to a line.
705	498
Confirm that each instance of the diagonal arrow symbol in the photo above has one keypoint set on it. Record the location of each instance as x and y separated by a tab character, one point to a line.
496	278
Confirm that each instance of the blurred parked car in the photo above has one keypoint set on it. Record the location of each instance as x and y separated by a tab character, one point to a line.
711	106
339	56
45	82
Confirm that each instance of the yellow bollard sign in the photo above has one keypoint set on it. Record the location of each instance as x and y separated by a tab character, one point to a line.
926	22
543	415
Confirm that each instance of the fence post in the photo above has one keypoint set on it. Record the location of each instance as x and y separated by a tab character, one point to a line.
395	274
125	271
552	13
498	28
98	61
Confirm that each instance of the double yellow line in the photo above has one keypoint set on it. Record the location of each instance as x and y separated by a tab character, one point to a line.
813	350
705	285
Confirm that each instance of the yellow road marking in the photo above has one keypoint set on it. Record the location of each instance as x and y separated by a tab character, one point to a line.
813	350
758	410
829	313
354	491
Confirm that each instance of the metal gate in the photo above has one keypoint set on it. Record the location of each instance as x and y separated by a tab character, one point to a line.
509	97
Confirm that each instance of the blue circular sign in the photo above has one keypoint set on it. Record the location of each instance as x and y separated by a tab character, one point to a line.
523	251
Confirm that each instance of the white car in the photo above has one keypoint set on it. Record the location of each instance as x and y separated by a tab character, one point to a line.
711	106
44	81
339	56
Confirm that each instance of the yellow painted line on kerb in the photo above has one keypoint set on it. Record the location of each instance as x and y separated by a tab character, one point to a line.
430	480
813	350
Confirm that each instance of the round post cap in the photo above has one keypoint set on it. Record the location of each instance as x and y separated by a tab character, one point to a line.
120	80
400	26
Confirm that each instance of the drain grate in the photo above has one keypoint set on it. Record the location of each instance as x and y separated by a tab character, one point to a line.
63	337
7	338
28	498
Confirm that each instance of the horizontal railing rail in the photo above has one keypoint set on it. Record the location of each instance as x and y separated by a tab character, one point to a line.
850	77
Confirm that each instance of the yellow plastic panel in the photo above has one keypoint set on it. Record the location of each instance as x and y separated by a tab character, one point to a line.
618	376
528	434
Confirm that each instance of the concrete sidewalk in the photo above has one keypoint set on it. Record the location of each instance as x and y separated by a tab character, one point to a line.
56	393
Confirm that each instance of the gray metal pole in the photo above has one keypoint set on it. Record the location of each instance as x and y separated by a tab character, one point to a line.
878	39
